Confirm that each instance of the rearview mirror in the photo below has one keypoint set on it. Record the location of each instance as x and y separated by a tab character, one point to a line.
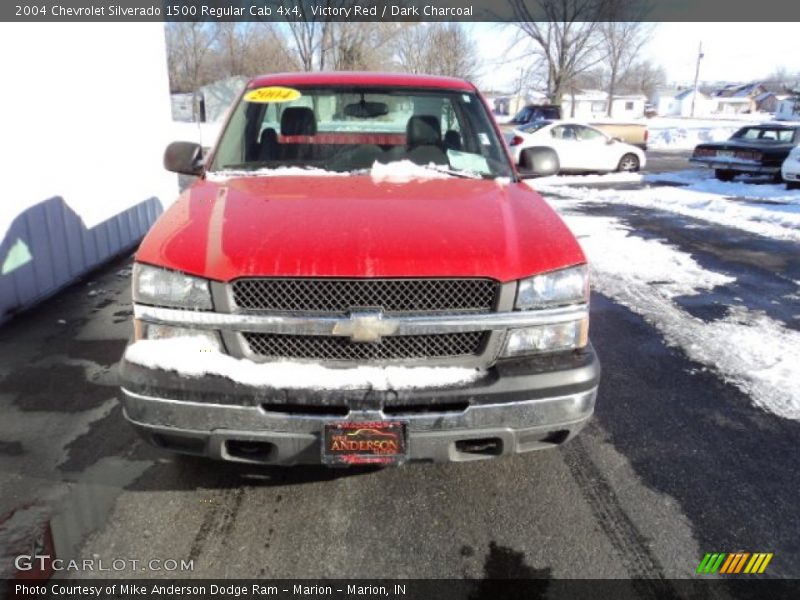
184	157
366	110
539	162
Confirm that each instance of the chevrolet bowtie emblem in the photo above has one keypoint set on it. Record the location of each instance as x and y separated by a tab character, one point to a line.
366	327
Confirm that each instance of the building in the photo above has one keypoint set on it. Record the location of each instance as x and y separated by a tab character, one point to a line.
788	109
593	104
733	105
683	103
86	155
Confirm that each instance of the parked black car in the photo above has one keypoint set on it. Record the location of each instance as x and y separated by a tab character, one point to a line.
536	112
754	150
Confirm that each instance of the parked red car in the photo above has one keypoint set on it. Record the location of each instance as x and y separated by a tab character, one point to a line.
358	276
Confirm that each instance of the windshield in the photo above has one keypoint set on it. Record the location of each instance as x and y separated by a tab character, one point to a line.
535	126
765	134
349	129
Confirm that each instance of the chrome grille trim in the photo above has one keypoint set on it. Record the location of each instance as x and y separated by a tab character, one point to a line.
340	296
310	325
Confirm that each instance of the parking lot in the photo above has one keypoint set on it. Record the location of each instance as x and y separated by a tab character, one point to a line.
689	451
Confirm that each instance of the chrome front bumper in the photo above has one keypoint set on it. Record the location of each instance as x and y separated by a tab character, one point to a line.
250	434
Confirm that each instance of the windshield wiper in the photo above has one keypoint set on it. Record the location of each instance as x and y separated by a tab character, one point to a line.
456	173
253	165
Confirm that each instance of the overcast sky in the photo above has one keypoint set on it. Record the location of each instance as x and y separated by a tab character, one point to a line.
733	51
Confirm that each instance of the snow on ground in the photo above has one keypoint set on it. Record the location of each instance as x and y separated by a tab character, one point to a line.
746	348
192	358
676	133
702	181
586	179
205	134
768	210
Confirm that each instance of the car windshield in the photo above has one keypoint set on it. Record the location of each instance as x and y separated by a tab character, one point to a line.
349	129
535	126
765	134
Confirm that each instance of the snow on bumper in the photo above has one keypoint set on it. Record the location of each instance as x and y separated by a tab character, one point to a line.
522	405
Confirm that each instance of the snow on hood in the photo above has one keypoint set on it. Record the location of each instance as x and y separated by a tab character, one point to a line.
190	357
403	171
400	171
226	174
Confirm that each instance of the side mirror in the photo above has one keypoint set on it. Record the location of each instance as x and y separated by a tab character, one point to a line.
184	157
539	162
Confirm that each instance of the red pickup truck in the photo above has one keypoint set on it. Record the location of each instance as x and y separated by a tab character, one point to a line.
358	276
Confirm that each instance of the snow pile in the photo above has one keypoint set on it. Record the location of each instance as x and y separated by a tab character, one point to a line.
191	358
747	348
659	267
586	179
226	174
685	134
403	171
779	218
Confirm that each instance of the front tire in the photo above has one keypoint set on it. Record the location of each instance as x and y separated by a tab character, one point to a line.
724	174
629	163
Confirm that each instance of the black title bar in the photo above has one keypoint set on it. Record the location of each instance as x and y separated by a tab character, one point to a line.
396	10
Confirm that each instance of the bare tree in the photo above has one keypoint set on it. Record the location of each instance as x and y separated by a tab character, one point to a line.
267	51
437	49
452	51
566	40
232	42
411	49
643	78
621	43
188	47
362	45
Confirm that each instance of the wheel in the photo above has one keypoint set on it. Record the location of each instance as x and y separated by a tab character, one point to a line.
793	185
540	161
724	174
628	163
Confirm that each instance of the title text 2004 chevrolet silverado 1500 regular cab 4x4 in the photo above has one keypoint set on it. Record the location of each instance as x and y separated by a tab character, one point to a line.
358	276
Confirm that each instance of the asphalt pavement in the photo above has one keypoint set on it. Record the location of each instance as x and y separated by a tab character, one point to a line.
675	463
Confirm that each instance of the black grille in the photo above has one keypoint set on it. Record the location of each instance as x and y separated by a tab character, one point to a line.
344	295
314	347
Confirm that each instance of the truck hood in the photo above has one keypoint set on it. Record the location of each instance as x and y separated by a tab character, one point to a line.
354	226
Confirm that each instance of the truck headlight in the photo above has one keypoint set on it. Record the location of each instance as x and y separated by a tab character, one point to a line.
547	338
162	287
557	288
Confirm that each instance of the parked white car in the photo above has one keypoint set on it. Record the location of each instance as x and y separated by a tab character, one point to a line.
790	171
579	147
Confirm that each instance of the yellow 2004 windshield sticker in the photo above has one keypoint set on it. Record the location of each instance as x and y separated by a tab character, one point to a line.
273	93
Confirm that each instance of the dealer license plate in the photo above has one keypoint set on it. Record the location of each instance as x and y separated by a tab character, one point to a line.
365	443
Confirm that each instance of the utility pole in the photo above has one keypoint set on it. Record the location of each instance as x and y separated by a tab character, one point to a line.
697	74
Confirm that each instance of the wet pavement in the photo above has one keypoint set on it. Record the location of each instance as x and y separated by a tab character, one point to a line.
676	462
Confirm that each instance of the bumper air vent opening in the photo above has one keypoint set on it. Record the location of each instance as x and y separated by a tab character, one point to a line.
308	410
556	437
180	443
250	450
481	446
422	409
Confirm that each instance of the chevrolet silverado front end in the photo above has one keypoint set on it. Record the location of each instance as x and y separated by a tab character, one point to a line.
358	277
